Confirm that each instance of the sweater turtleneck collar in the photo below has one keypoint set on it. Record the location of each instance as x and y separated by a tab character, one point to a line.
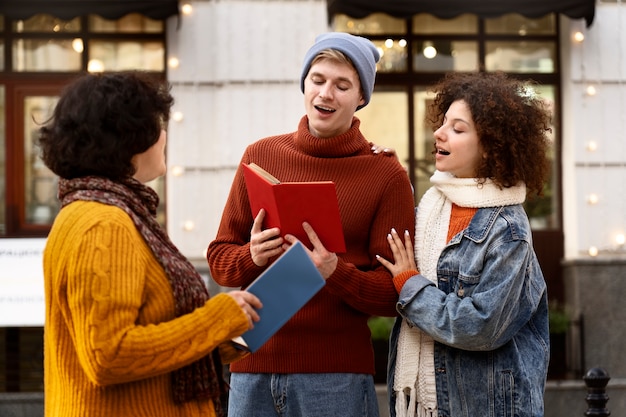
349	143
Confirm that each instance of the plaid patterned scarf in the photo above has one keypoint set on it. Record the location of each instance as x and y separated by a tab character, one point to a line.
200	379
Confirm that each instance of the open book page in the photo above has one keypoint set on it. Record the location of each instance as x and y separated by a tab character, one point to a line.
269	177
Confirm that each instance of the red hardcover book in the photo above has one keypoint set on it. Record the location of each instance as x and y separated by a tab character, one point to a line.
288	204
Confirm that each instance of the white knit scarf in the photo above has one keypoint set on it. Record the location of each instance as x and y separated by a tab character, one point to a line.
414	381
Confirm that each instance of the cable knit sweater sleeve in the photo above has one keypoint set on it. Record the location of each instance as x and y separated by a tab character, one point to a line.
110	305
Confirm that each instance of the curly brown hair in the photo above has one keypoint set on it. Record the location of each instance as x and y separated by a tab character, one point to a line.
512	123
101	121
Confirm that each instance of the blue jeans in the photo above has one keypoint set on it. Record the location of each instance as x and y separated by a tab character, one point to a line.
302	395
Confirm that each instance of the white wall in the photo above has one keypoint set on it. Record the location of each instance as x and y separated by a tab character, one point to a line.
598	61
237	81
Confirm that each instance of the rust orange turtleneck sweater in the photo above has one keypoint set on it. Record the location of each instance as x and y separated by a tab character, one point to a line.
330	334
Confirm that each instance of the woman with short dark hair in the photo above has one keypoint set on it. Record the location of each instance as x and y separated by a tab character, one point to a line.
130	329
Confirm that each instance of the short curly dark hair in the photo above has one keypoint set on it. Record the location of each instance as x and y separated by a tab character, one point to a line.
512	123
101	121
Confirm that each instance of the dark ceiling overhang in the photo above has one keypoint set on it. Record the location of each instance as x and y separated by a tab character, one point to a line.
445	9
69	9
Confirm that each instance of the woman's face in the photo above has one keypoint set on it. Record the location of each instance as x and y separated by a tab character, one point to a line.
150	164
457	143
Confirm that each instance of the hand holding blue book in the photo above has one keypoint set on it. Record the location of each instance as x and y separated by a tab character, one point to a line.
283	288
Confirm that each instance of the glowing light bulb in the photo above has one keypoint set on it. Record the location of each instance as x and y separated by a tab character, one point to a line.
186	9
178	171
429	50
593	251
177	116
593	199
95	65
592	146
173	62
188	226
591	90
77	45
578	36
620	239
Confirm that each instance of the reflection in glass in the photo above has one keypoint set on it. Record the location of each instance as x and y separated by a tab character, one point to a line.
424	162
445	55
122	55
374	24
384	121
427	24
43	23
40	184
515	24
131	23
393	55
521	56
543	211
2	162
45	55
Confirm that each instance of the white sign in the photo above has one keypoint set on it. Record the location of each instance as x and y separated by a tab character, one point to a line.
22	301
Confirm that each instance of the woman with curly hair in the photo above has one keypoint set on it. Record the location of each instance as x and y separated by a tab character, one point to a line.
129	328
472	336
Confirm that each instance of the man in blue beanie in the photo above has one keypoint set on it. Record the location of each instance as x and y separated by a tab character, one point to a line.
320	363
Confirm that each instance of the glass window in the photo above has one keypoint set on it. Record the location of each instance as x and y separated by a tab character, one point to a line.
515	24
43	23
124	55
427	24
542	211
393	55
374	24
424	163
21	357
2	162
40	184
131	23
39	55
445	55
385	121
1	54
521	56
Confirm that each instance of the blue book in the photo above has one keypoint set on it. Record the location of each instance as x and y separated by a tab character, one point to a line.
283	288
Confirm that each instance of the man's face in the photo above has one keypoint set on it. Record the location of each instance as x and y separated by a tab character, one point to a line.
332	92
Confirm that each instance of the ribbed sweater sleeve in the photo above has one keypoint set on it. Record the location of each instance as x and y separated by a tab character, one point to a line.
110	319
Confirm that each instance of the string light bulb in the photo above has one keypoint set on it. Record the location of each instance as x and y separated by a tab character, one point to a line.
186	9
173	62
178	171
593	251
593	199
578	36
177	116
592	146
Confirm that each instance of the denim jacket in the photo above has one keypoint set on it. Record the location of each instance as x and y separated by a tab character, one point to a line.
488	317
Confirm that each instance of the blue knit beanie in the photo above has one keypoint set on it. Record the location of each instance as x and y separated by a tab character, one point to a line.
361	52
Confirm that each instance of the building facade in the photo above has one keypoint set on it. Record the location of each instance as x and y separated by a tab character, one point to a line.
234	67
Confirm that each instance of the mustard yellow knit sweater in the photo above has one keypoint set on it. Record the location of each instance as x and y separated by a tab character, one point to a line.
110	336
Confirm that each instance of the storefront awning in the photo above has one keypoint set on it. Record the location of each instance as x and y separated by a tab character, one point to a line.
445	9
69	9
